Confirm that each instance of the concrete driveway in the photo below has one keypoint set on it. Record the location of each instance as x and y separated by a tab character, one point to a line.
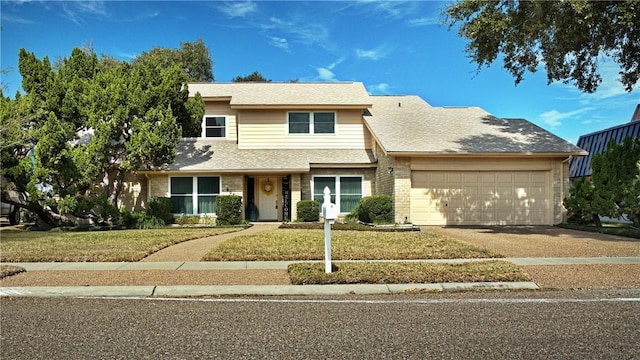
548	241
542	241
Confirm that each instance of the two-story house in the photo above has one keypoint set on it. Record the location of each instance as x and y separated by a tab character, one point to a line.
278	143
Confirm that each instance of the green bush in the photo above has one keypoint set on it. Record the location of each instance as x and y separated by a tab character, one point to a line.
160	207
308	210
188	220
377	209
229	209
139	220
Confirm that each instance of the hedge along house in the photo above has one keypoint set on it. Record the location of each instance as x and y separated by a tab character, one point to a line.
275	144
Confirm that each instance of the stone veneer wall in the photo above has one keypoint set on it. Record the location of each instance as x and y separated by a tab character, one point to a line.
134	192
402	190
296	194
560	188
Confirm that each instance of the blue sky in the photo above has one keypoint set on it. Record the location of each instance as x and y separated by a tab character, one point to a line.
393	47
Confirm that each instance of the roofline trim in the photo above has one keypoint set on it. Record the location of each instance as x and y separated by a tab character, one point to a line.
467	154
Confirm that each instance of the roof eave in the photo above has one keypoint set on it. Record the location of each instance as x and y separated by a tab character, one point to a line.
470	154
299	106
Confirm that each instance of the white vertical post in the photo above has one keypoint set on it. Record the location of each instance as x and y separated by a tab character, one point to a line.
326	206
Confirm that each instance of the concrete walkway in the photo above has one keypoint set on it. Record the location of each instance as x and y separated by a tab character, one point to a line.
194	250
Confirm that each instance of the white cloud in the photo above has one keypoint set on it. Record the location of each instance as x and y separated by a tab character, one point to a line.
77	10
554	118
15	19
378	89
302	31
238	9
279	42
374	54
425	21
325	74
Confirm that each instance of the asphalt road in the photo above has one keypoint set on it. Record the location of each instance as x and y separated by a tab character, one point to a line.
520	325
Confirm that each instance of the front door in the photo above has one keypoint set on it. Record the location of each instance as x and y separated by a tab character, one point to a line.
268	198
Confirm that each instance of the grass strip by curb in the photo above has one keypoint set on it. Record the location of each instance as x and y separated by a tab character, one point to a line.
405	272
10	270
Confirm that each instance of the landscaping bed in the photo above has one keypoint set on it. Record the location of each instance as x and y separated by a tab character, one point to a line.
405	272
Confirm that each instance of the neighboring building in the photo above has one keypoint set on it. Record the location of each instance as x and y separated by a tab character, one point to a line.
597	142
278	143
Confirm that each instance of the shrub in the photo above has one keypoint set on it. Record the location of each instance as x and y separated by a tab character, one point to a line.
188	220
229	209
377	209
308	210
160	207
139	220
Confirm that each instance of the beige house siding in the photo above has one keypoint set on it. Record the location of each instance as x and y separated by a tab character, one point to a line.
268	129
223	108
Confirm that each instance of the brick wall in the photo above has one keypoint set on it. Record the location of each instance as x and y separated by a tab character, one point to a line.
402	190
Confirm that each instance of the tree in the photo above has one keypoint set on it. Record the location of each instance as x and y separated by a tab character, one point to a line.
253	77
614	187
615	178
192	57
68	143
569	38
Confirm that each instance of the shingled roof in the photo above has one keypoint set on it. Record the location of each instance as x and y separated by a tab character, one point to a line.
285	95
409	125
224	156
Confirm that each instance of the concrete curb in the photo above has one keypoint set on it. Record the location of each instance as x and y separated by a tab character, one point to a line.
246	290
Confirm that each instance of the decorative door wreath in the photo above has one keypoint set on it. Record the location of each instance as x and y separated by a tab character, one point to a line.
267	187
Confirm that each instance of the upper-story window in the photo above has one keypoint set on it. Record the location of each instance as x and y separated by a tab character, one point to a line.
312	122
214	127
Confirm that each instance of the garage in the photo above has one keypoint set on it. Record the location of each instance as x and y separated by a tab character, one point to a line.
481	197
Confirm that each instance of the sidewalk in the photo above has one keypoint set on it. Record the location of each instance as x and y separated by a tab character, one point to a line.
262	290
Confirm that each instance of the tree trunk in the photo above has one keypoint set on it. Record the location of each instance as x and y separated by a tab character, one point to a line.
46	217
596	220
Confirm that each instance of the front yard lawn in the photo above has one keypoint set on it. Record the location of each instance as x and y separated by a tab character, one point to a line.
114	245
289	244
405	272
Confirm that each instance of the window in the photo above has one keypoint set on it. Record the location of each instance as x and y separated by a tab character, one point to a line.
312	123
346	191
201	201
214	127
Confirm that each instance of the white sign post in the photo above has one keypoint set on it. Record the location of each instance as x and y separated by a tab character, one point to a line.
329	213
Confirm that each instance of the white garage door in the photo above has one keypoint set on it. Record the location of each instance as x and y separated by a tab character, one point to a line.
480	198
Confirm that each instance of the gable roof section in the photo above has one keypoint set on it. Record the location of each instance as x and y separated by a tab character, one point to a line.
248	95
224	156
408	125
596	143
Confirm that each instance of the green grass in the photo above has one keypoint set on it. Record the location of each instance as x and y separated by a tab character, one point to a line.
405	272
288	244
115	245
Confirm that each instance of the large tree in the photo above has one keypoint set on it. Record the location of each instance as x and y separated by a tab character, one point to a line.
568	38
81	126
193	57
255	76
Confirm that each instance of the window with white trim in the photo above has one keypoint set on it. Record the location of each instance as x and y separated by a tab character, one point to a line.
214	127
306	122
346	191
194	195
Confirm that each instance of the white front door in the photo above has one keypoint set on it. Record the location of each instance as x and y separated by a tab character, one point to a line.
268	198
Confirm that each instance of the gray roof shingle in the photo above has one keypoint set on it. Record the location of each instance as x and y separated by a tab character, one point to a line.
252	94
224	156
407	124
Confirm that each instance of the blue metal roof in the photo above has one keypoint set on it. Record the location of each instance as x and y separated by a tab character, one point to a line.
596	143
